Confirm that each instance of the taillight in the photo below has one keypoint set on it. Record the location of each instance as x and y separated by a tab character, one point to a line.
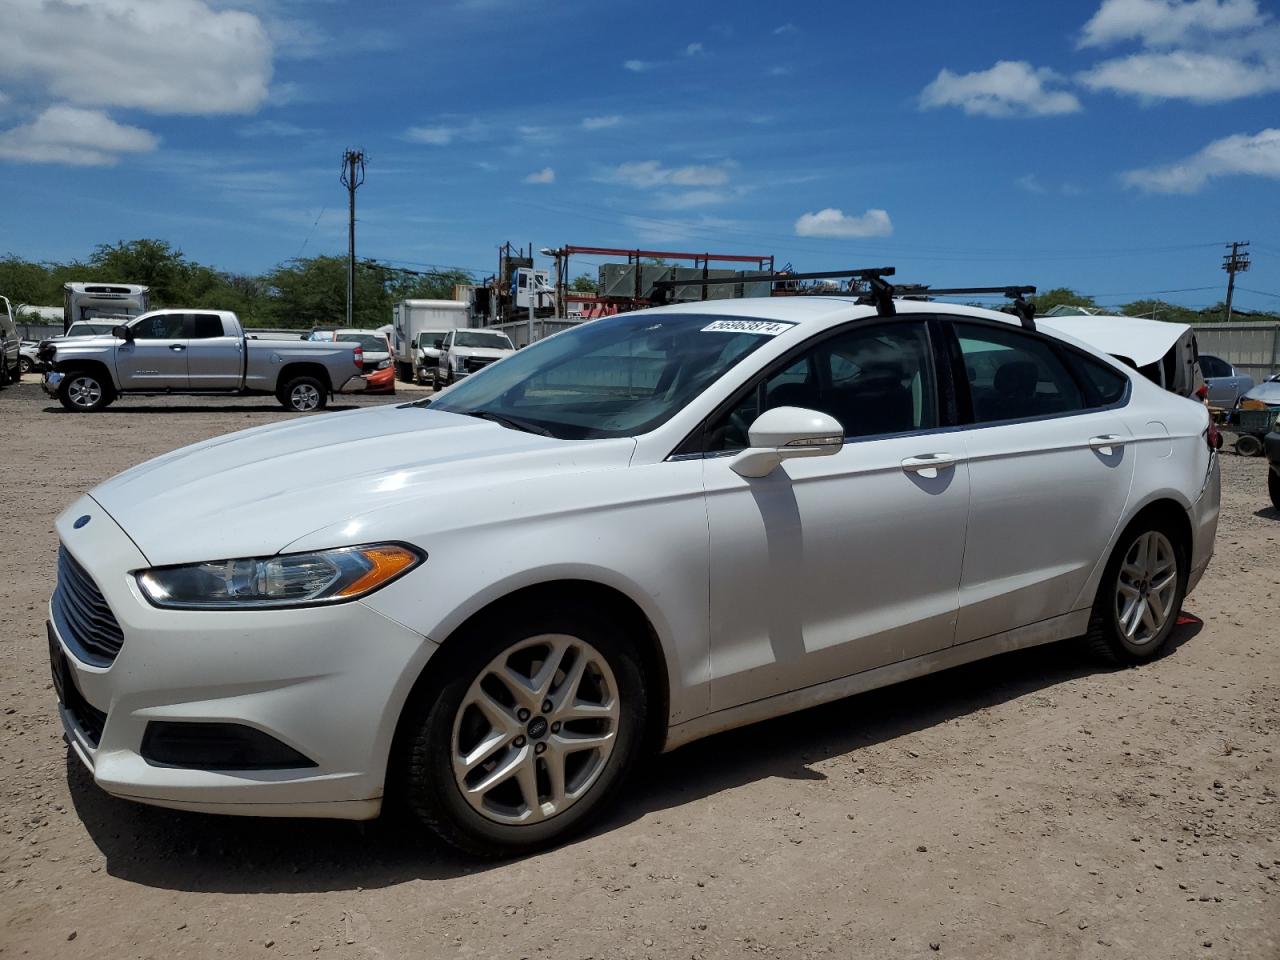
1203	392
1213	437
358	356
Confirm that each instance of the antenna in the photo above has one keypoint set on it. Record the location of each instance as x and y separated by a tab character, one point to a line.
352	176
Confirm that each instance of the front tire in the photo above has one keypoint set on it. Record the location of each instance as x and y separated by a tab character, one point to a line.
1140	595
82	391
25	366
531	730
1273	486
303	395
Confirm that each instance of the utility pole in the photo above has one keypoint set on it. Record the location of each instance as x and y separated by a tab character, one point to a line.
352	177
1234	262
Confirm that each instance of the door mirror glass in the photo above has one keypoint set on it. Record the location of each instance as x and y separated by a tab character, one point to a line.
784	433
122	332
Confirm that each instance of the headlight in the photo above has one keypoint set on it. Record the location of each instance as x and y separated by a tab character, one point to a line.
285	580
384	364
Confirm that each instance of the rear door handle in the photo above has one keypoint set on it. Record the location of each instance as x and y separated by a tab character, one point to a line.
1107	441
176	347
929	461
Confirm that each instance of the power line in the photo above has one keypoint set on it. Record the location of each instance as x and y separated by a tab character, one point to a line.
1261	293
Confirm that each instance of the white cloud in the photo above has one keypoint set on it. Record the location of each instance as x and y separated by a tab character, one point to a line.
638	66
1011	88
1183	75
693	50
1167	22
651	173
1030	183
692	198
75	136
441	135
785	30
276	128
601	123
1256	155
778	71
832	222
163	56
545	175
533	134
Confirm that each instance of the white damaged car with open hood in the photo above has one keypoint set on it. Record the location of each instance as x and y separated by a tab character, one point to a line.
490	604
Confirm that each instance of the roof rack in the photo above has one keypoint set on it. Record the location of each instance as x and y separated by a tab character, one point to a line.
1024	310
879	291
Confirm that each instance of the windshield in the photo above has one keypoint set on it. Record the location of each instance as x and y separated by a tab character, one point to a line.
482	338
88	329
616	377
369	342
428	338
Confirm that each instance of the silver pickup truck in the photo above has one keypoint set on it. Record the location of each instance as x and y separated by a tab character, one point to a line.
196	352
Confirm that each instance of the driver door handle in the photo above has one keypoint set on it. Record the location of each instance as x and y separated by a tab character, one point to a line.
930	461
1106	441
177	347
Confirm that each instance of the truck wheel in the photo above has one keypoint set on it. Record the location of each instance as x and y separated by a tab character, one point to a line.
1247	445
303	395
1273	487
24	365
82	391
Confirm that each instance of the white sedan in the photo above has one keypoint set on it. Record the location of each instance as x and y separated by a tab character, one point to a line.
650	528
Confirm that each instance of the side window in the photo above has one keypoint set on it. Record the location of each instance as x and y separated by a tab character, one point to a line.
876	379
162	326
1212	366
1105	384
1014	376
206	325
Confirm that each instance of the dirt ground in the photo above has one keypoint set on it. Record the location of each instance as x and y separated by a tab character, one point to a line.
1029	806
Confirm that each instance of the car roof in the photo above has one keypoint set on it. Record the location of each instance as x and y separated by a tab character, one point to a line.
818	309
367	333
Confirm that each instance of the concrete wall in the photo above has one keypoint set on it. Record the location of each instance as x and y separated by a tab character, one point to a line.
1252	347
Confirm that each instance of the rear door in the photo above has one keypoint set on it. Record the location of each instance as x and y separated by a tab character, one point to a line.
1050	466
215	355
156	357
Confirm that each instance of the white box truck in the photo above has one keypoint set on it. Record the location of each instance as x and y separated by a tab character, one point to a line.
416	322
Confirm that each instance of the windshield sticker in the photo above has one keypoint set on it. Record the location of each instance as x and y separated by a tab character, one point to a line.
765	328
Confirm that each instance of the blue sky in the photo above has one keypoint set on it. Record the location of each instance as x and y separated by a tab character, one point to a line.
1107	146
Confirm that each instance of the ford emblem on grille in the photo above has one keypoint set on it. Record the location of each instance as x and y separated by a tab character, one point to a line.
81	521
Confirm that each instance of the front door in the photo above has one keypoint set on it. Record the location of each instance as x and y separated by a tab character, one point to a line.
1050	462
156	357
834	565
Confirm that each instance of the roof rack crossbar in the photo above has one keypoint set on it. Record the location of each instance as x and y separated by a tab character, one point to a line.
863	273
1024	309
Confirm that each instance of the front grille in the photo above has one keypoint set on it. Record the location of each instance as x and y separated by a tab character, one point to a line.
84	620
475	363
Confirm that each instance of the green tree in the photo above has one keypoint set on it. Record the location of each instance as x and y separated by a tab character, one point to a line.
312	292
435	285
154	263
584	283
1059	296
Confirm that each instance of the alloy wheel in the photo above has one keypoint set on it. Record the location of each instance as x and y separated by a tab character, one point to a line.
304	397
535	729
1146	588
84	392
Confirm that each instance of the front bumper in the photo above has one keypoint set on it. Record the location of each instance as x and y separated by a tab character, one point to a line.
328	682
381	381
50	381
1271	445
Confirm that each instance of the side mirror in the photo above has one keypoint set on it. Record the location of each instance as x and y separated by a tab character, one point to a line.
122	331
786	432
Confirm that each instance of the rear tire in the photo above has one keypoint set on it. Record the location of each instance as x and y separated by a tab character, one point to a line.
24	365
526	788
1140	595
303	394
1273	486
82	391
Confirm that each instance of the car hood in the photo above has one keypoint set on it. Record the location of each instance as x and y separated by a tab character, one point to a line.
1268	392
255	492
493	352
1142	340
